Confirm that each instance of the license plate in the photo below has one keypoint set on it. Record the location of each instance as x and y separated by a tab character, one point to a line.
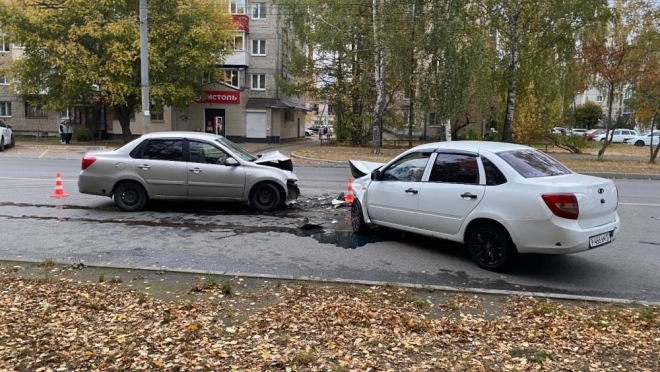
600	239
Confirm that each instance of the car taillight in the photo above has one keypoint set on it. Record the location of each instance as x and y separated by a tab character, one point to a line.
562	205
87	161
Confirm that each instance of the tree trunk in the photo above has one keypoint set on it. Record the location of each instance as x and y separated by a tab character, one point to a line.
609	131
123	113
654	153
379	71
507	132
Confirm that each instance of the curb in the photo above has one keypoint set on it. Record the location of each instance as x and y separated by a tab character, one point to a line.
611	175
61	147
500	292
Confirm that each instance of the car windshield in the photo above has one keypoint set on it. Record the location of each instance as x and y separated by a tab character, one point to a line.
533	163
236	149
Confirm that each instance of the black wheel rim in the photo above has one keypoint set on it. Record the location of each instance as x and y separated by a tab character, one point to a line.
489	248
130	197
264	197
356	217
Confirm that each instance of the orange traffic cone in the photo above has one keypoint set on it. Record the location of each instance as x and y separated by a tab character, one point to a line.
349	192
59	190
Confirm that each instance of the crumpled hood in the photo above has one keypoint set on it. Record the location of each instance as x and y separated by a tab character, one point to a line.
275	159
360	168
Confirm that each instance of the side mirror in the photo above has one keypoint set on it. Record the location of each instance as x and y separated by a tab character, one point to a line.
376	175
9	126
231	162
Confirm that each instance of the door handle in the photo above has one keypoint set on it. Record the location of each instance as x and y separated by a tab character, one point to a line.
195	170
468	195
144	166
412	191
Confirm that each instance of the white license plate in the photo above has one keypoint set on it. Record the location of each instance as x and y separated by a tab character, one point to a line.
599	239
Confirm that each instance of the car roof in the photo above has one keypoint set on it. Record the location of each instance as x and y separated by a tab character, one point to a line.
474	146
186	134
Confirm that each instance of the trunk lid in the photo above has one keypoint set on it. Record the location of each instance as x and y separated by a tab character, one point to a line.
597	197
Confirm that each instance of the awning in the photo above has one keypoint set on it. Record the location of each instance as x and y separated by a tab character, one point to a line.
260	103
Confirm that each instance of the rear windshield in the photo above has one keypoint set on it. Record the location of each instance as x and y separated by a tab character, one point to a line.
533	163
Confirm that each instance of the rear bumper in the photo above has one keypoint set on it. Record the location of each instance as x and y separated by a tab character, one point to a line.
558	236
95	184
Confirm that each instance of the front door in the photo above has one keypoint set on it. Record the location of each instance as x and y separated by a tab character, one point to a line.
215	121
452	191
393	199
209	177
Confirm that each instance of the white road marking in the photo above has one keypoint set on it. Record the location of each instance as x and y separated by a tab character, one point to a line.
641	204
33	179
43	153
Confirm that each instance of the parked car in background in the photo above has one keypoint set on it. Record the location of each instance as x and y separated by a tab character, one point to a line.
559	130
499	199
646	139
619	136
593	133
315	128
578	132
188	166
309	132
6	136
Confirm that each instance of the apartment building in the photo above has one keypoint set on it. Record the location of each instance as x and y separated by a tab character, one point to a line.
600	97
247	106
320	113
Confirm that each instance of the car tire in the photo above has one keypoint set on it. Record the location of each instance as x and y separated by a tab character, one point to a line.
2	144
12	142
265	197
602	140
639	143
357	218
491	248
130	196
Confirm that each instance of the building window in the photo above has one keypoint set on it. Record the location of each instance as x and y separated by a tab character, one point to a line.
330	111
432	118
237	7
238	42
233	78
259	10
599	98
5	109
66	114
18	45
259	81
627	94
258	47
34	110
6	45
157	116
4	80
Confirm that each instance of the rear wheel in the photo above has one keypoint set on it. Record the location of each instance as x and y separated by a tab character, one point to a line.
130	197
357	218
2	144
265	197
12	142
639	143
491	248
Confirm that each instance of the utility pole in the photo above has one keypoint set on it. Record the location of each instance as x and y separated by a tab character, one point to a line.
411	112
144	66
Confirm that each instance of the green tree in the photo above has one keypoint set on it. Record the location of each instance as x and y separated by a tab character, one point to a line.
588	115
90	49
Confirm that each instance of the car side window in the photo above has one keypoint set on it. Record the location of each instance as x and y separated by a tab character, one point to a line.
494	175
165	149
205	153
409	168
2	125
455	168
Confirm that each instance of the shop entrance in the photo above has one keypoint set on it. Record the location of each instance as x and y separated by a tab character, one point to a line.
214	121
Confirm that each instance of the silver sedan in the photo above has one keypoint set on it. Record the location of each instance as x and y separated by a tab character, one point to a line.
188	166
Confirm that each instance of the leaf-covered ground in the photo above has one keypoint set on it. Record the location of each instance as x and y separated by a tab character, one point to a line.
62	324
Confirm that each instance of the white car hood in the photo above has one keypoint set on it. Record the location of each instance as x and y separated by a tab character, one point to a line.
275	159
360	168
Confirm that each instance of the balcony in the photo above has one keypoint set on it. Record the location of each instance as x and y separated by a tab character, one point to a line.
239	58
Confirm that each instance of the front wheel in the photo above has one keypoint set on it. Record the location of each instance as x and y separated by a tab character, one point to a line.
265	197
491	248
12	142
639	143
130	197
357	218
2	144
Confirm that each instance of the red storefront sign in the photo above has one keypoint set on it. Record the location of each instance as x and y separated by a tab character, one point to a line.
226	97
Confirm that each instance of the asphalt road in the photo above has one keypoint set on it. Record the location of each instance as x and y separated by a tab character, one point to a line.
226	238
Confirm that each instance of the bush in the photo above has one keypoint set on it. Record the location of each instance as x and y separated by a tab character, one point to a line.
83	134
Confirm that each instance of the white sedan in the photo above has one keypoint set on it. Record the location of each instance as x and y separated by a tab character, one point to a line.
646	139
499	199
6	136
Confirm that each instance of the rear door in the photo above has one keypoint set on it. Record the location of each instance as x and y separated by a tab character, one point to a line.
161	165
453	190
209	177
393	199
